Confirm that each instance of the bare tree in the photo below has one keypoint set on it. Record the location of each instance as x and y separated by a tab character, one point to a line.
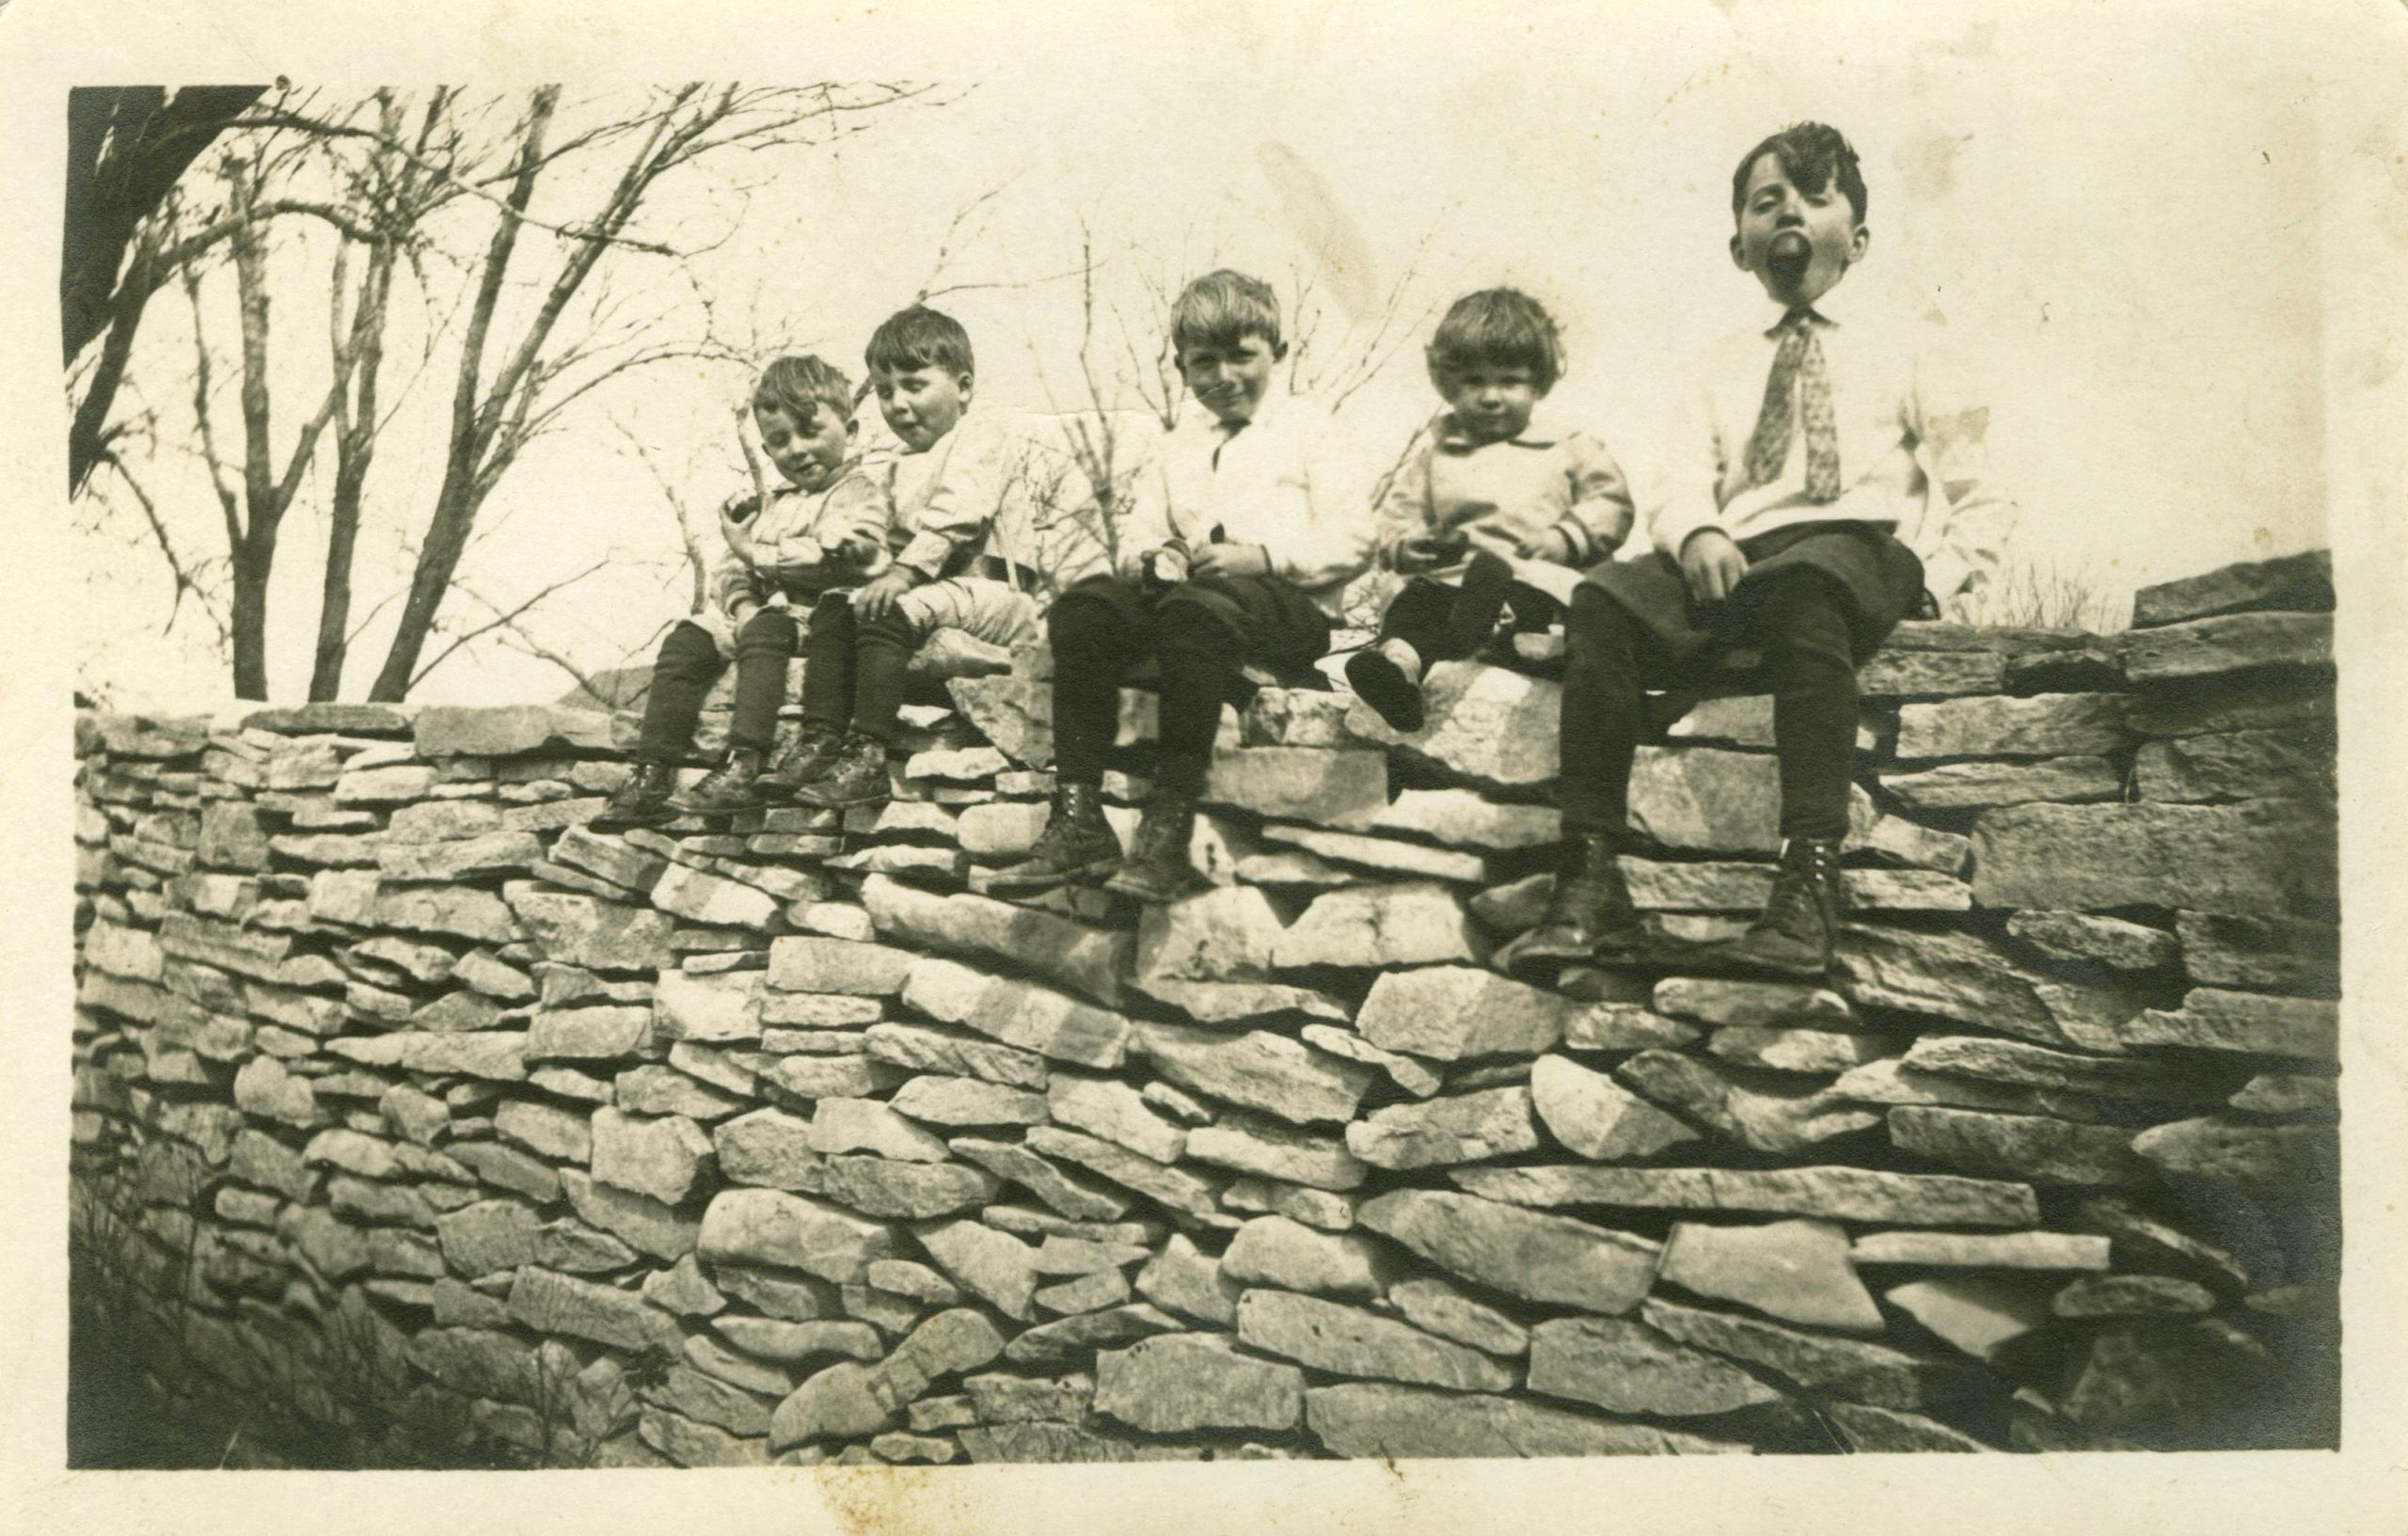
525	309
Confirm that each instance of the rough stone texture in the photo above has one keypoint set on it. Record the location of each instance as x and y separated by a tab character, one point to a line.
1450	1013
2108	940
1344	789
2212	1019
1415	923
2200	647
1592	1114
1799	1271
1543	1259
1375	1418
2251	858
2301	582
1452	1128
698	1114
2239	764
1484	724
1348	1341
2030	1146
2280	954
1179	1382
2046	725
1627	1367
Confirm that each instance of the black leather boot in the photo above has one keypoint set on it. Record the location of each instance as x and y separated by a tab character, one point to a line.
1158	868
733	785
1589	917
809	759
642	802
1077	843
857	777
1798	933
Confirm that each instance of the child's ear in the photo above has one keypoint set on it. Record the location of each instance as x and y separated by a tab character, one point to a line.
1736	259
852	426
969	383
1858	243
1278	352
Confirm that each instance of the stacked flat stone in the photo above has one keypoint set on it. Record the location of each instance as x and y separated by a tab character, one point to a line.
788	1141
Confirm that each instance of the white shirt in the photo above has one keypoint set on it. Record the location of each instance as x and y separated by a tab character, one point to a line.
1276	483
1910	445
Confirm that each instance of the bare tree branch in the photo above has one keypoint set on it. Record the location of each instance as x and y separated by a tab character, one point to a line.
502	619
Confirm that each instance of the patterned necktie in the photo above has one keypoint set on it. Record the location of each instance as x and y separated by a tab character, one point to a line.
1798	361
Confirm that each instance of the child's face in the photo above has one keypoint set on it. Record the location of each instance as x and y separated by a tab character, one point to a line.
807	452
1493	401
1229	378
1794	241
921	403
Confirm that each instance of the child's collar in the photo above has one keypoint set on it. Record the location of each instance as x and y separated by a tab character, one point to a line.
1832	308
1540	432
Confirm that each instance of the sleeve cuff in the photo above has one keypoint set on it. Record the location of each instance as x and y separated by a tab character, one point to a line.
926	554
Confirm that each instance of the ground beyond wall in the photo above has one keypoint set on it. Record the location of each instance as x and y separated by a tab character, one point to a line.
412	1118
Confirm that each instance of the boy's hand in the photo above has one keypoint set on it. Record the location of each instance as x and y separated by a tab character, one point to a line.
1230	560
1711	565
878	598
1423	552
1551	545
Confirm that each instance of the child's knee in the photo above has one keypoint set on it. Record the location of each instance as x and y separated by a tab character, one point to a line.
833	616
769	631
1193	621
688	649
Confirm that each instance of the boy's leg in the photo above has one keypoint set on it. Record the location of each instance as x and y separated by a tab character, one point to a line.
682	674
1414	631
763	648
1802	621
1589	914
1095	631
827	693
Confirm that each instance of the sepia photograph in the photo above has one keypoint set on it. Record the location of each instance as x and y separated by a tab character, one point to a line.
1498	742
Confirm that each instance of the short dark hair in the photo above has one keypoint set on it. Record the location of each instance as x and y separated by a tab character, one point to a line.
1220	309
802	387
920	337
1500	327
1813	156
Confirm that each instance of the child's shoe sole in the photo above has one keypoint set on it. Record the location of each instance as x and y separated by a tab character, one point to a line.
1382	684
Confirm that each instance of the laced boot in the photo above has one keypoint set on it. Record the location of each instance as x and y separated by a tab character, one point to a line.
1388	676
1798	933
809	759
1158	868
1077	843
857	777
733	785
1589	915
642	802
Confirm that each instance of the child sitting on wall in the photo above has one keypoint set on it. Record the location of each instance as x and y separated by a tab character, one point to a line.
1825	487
1488	509
962	551
1234	552
824	533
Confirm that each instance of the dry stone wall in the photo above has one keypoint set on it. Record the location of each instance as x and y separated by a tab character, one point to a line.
412	1105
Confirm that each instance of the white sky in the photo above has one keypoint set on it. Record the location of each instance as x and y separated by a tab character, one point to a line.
2114	208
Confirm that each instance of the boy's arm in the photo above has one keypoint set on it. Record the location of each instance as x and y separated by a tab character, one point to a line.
854	519
1601	513
964	490
737	588
1145	526
1681	498
1960	547
1405	510
1325	536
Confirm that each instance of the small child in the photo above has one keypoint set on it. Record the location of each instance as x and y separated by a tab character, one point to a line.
962	561
1486	509
1234	553
824	533
1823	489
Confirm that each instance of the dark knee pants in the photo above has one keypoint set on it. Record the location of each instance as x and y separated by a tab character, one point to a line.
1203	632
1418	615
852	669
689	662
1799	619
